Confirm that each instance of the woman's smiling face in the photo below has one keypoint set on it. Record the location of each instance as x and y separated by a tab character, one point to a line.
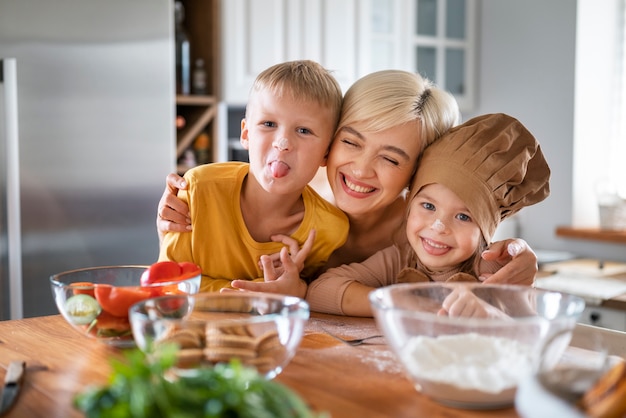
367	171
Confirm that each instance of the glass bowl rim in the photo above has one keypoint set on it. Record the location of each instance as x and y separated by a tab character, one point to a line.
379	303
301	306
54	278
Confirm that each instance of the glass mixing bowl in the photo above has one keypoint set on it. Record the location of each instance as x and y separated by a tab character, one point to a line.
468	345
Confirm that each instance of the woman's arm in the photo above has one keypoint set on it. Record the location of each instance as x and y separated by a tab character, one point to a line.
172	212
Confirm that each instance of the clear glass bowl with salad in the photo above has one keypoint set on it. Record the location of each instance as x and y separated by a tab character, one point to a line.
95	300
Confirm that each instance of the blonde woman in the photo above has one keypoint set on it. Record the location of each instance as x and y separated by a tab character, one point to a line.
388	118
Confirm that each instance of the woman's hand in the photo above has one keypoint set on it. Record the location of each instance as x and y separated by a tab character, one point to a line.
172	213
519	260
288	282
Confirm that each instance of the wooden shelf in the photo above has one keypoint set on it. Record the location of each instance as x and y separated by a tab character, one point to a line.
592	234
197	119
202	22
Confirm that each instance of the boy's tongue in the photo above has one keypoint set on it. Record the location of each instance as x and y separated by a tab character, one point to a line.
279	169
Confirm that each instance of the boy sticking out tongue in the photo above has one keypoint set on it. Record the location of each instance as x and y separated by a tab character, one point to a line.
241	212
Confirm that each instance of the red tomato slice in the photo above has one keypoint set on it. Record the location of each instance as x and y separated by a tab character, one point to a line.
166	271
160	270
117	300
171	305
87	288
170	289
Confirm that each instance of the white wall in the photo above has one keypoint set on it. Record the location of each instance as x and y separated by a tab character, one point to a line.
526	68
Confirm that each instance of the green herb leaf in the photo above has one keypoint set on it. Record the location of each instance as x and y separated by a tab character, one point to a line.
141	388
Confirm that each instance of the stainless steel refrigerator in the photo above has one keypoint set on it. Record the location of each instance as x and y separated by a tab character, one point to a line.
87	137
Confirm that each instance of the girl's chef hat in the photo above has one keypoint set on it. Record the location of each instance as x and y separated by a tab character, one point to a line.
493	163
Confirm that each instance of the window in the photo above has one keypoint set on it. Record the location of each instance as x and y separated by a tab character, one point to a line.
600	108
442	45
432	37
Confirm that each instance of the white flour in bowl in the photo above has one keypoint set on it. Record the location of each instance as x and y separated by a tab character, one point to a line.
468	368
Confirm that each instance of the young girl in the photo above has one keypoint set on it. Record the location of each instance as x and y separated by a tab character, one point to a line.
469	180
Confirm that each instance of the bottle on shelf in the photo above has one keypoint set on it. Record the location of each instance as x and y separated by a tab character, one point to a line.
202	147
198	84
183	64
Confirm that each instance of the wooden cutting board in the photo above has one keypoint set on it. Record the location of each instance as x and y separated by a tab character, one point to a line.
587	267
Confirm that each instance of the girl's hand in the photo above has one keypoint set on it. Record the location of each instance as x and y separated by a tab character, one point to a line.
172	213
288	282
463	302
519	260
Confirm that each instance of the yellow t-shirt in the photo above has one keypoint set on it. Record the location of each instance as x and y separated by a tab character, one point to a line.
220	242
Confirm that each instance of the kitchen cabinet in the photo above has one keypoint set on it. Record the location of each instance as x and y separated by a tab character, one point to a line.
201	22
199	114
352	38
259	33
604	317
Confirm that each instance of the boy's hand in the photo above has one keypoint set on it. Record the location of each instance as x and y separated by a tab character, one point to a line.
288	282
172	213
519	260
298	255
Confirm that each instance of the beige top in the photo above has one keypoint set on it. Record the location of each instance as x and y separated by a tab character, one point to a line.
381	269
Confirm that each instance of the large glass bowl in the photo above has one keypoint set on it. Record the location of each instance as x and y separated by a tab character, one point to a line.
468	345
258	329
95	300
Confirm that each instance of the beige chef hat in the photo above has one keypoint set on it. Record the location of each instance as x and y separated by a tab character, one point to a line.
492	163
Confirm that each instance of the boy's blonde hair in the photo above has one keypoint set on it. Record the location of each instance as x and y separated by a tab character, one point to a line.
303	80
388	98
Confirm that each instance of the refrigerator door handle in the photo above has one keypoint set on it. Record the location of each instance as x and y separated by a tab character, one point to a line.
13	228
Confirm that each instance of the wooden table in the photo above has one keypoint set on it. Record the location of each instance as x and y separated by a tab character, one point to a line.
346	381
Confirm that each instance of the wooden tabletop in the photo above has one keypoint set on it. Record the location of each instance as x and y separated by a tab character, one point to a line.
346	381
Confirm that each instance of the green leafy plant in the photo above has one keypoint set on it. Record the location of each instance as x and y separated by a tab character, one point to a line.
139	388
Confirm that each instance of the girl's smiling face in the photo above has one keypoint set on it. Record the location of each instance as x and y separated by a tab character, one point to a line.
440	228
367	171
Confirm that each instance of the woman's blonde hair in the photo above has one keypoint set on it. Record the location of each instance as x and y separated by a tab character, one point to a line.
388	98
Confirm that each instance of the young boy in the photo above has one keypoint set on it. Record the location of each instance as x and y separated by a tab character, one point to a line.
239	210
467	181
